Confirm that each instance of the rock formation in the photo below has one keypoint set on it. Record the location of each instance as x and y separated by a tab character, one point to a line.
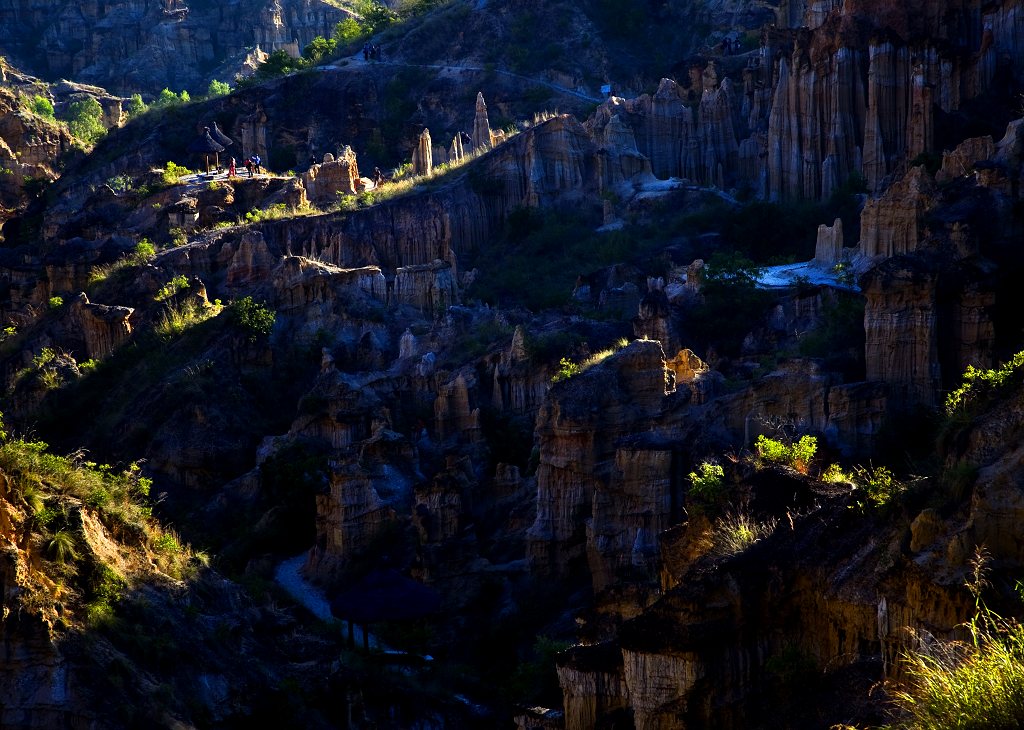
128	46
828	248
423	155
103	328
481	126
334	177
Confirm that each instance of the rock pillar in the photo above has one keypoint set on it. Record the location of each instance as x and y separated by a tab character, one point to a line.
481	125
423	155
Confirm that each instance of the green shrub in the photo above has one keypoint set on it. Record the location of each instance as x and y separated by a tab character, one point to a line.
566	369
797	455
878	486
84	119
135	106
318	49
348	31
979	385
255	320
709	484
167	99
171	288
55	302
218	88
61	547
178	237
144	251
834	474
42	106
173	172
177	318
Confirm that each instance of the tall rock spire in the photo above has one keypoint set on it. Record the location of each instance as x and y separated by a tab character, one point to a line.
481	125
423	155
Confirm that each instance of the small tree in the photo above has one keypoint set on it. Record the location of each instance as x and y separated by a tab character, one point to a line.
376	16
84	120
42	106
318	49
135	106
278	63
167	99
348	31
255	320
218	88
709	484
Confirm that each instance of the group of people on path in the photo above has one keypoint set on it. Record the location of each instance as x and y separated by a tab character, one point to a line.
372	52
253	165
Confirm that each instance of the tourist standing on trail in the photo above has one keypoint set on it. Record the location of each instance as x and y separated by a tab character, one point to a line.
366	51
231	168
248	165
256	164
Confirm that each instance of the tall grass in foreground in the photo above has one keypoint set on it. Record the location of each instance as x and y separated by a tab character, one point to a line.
976	685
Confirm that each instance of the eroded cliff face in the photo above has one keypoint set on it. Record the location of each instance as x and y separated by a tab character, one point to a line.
29	148
855	92
134	46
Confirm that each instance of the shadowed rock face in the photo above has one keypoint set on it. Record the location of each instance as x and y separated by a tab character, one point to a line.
131	45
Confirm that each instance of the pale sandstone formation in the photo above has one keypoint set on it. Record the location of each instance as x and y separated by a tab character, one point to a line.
364	497
455	411
905	319
481	126
431	288
423	155
592	684
828	248
103	328
577	449
338	176
250	261
29	148
894	223
519	386
618	157
900	321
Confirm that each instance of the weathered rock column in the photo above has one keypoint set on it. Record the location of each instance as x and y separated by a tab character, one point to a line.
481	125
423	155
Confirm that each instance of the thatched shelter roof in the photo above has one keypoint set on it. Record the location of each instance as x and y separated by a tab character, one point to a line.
220	137
204	144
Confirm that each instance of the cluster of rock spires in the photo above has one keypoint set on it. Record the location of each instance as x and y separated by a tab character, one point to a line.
672	643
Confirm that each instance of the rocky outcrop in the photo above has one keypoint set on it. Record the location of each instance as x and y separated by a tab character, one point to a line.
423	155
130	46
29	148
333	177
431	288
583	476
103	328
828	248
481	125
894	223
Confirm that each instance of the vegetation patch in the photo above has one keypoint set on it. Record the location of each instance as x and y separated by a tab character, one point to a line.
796	455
